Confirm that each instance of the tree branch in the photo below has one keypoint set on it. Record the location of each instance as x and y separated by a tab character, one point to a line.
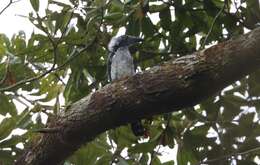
55	56
177	84
8	5
75	53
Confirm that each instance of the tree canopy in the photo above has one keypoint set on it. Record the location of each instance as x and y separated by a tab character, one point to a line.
66	61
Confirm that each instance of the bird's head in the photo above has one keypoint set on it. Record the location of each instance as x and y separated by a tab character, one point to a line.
122	41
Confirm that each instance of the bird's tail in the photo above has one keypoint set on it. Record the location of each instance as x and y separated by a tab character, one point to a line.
137	128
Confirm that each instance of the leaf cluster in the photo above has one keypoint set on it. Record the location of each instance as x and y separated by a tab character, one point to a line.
65	60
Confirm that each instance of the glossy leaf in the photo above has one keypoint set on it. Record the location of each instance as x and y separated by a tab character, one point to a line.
35	4
6	127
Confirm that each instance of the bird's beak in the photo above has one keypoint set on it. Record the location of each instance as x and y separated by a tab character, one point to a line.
133	40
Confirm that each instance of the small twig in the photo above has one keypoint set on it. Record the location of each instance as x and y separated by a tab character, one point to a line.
47	130
239	18
32	102
66	27
111	142
159	140
58	77
8	5
25	81
228	156
19	100
75	53
153	155
213	23
117	154
41	75
54	44
44	29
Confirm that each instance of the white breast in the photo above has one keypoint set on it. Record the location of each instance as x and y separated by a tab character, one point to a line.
122	64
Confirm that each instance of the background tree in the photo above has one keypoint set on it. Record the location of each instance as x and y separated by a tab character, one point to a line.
67	59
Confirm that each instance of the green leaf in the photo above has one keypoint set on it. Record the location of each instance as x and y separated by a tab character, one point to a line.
18	45
144	159
157	8
7	106
156	161
123	137
62	20
247	119
211	8
168	163
15	139
251	13
35	4
116	6
105	159
197	138
113	16
19	71
133	27
59	3
50	88
165	18
6	157
211	108
147	27
143	147
6	127
185	155
231	106
248	144
122	161
94	23
24	119
167	137
4	44
91	152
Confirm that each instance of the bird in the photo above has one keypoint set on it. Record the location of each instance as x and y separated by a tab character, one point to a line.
120	64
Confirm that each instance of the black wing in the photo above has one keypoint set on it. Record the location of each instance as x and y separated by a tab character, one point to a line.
109	62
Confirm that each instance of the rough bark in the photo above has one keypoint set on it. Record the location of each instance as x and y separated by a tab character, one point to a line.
179	83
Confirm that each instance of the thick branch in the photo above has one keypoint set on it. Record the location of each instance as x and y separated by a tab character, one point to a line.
172	86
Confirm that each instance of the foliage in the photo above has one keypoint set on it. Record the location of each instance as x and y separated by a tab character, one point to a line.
69	59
